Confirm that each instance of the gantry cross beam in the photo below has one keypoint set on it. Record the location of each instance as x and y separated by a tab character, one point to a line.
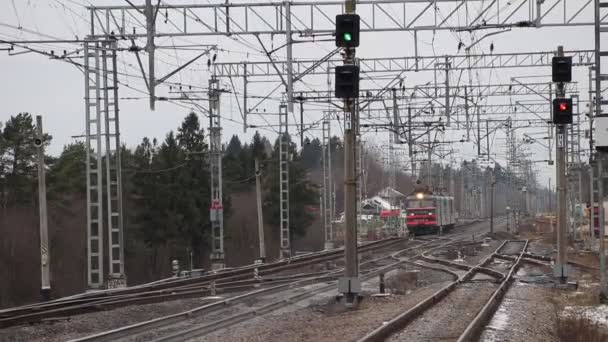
400	64
317	17
472	92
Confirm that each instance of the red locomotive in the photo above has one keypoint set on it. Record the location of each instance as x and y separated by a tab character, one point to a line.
427	212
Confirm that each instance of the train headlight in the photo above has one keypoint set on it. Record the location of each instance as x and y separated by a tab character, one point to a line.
430	213
420	195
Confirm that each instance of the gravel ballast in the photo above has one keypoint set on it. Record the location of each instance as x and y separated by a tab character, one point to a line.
92	323
450	316
326	322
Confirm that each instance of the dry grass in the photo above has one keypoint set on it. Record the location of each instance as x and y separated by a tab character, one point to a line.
579	329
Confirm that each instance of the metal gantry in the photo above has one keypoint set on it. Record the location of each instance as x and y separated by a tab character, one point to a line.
302	67
317	17
215	165
101	114
284	142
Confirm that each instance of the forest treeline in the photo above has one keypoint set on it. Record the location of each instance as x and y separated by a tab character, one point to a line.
166	198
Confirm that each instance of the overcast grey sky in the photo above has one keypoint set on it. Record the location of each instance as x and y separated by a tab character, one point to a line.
35	84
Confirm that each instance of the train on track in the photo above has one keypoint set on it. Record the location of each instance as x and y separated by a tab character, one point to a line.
427	212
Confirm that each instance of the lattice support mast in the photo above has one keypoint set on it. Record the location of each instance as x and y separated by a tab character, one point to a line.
94	173
216	211
327	186
113	179
284	180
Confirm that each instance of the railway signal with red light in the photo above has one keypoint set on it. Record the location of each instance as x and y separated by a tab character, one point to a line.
562	111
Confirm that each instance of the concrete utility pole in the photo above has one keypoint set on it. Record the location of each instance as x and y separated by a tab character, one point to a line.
429	156
447	90
601	104
478	132
591	162
45	255
492	185
560	268
466	112
150	14
410	142
488	138
301	99
602	229
350	285
258	192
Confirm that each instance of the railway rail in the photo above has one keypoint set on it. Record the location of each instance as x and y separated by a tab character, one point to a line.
186	325
239	282
229	281
513	250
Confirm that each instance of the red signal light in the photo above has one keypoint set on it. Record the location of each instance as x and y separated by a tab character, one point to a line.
563	107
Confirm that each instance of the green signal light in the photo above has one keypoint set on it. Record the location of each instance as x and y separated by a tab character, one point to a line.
348	37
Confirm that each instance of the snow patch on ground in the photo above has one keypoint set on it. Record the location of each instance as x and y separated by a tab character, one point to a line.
596	314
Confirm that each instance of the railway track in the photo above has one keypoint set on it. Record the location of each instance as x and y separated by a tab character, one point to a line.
459	310
223	314
238	283
229	281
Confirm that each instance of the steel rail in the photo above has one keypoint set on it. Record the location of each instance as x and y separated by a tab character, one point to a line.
484	270
138	328
476	326
223	323
402	320
97	301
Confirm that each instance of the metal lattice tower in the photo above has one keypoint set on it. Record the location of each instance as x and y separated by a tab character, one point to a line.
327	185
92	96
113	179
284	180
215	164
101	104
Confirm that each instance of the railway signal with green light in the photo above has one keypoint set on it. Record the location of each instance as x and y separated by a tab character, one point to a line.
347	30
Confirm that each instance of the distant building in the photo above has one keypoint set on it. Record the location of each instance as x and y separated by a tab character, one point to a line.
389	193
374	205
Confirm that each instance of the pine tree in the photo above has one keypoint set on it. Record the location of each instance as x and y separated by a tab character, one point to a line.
194	189
67	174
18	159
233	166
312	154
